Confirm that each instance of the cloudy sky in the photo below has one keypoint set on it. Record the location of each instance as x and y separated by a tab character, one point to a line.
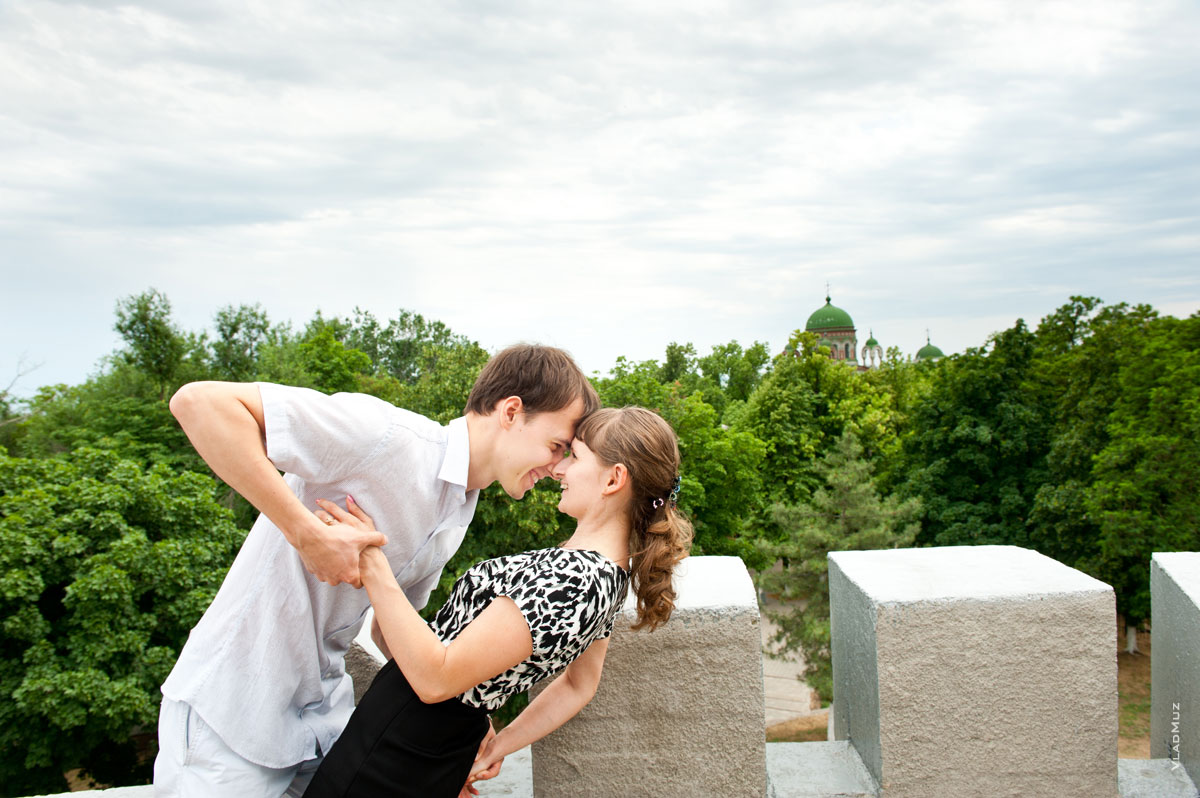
609	177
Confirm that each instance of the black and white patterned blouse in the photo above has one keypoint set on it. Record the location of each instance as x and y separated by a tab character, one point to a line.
569	598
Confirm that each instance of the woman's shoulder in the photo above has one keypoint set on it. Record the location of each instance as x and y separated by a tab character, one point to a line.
554	562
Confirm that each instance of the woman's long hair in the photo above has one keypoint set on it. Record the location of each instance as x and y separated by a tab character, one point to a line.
659	536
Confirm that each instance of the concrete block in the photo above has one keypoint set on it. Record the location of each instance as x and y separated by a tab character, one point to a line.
679	710
817	770
1175	661
1154	778
975	671
364	659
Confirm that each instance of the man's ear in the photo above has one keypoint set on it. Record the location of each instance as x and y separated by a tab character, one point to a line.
508	410
618	477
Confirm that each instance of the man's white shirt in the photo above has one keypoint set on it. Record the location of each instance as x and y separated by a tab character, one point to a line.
265	665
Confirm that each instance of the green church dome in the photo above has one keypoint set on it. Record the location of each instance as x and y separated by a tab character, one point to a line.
929	351
871	341
828	317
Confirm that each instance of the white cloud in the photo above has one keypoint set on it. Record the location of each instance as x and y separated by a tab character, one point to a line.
607	177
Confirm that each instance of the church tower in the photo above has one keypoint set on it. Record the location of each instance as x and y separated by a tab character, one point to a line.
872	353
834	329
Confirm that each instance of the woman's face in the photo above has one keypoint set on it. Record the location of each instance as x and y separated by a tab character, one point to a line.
582	478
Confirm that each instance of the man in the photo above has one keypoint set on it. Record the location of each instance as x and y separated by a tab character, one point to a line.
260	690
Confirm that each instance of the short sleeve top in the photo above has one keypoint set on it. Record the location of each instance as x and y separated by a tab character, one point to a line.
265	666
569	598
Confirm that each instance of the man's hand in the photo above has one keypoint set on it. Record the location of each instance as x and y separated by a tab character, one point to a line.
331	546
487	766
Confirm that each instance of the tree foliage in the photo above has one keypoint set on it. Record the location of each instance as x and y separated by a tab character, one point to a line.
105	565
1078	439
155	346
976	457
846	513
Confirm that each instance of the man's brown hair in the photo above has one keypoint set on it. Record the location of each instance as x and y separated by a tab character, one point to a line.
545	378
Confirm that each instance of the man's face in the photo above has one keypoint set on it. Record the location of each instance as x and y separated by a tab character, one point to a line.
532	445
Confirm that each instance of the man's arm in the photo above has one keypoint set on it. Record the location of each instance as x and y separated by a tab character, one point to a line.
224	421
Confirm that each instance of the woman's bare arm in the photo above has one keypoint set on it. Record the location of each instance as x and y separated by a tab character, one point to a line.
224	421
496	640
559	702
377	638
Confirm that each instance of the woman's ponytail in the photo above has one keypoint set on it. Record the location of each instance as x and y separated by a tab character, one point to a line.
659	548
660	536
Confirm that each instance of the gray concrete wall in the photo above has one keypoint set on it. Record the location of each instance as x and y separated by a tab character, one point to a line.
679	710
995	668
853	650
1175	663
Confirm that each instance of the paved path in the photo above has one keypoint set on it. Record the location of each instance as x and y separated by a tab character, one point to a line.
786	697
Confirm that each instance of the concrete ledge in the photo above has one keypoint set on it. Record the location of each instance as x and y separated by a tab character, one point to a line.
817	770
797	770
1154	778
1175	663
975	671
679	710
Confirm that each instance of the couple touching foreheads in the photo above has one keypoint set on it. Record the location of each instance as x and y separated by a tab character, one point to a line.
372	502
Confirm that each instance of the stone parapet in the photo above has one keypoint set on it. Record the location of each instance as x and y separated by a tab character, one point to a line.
975	671
1175	663
679	711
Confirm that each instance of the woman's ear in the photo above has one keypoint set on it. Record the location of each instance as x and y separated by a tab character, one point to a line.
618	477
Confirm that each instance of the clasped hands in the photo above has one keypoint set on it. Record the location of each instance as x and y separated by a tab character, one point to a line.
362	539
332	551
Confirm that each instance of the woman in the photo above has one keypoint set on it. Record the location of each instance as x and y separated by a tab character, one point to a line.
512	621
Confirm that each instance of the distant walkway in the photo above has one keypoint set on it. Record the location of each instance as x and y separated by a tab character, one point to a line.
786	697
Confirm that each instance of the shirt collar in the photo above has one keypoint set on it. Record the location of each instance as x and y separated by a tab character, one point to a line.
458	453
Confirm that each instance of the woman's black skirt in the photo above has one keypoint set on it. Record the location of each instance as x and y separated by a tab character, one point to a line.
394	745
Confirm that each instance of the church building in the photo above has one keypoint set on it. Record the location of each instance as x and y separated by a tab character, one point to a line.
835	329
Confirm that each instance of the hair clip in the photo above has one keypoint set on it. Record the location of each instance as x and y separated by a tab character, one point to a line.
675	490
657	503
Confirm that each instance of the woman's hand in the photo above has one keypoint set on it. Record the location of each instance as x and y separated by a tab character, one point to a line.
487	764
330	513
357	520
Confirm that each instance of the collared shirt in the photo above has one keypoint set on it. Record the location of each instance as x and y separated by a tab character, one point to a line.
265	666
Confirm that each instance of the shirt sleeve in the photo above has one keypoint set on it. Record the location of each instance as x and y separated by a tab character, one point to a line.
318	437
607	629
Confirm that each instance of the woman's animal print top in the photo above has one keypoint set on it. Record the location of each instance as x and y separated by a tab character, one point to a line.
569	598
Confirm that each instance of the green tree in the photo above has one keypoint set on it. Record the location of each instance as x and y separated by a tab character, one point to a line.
801	407
846	513
105	566
1145	496
976	457
241	333
735	370
155	346
407	347
110	411
678	364
333	366
10	415
1082	349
